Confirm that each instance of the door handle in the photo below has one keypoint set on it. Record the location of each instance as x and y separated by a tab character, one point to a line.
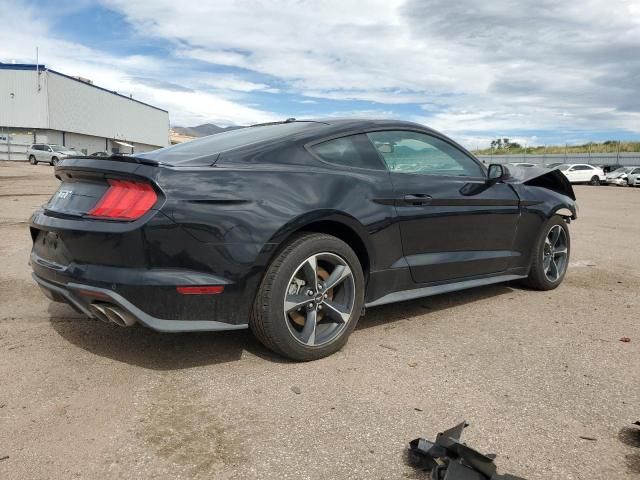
417	199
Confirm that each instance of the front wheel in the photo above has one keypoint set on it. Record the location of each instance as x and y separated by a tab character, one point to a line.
54	161
32	160
310	298
595	180
550	255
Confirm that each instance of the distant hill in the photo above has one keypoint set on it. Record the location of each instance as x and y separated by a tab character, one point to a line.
202	130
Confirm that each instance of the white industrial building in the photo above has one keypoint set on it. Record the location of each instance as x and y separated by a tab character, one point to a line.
38	105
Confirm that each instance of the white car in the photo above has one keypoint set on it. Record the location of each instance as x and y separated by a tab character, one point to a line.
620	176
633	177
583	173
49	153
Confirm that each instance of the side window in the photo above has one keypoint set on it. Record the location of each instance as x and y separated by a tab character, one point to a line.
351	151
414	152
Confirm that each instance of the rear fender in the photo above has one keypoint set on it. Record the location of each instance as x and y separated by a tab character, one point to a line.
306	221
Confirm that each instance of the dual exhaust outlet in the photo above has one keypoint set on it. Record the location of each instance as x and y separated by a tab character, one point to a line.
109	313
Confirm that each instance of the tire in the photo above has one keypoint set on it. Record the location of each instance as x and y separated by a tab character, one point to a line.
32	160
539	278
54	161
286	333
595	180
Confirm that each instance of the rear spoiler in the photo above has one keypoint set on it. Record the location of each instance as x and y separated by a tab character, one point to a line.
118	158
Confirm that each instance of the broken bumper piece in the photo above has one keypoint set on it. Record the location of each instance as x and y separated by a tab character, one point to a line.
449	459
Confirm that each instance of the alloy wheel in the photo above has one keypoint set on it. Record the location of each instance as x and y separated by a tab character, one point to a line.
555	253
319	299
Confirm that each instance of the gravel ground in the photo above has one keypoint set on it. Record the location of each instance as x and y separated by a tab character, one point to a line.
533	372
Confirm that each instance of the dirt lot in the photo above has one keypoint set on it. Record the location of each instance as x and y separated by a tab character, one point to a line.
532	372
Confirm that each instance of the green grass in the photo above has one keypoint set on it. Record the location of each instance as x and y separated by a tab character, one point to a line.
605	147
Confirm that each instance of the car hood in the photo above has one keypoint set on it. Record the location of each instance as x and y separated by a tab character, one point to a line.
67	152
616	175
540	177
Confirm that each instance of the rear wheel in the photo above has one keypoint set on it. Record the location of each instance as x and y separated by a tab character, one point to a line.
550	255
310	298
595	180
32	160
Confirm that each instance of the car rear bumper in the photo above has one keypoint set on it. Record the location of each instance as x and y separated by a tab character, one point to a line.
81	297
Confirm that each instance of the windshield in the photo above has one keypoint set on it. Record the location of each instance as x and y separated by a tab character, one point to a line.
622	170
563	167
60	148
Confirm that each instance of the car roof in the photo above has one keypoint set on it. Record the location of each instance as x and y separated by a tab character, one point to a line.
273	135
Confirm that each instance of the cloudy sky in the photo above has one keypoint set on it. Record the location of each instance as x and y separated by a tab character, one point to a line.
540	71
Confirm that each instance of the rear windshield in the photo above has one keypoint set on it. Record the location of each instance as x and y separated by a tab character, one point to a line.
222	142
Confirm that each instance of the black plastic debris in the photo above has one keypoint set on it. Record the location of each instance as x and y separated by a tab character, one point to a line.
449	459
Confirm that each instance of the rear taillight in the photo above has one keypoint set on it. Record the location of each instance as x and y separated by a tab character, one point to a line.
125	200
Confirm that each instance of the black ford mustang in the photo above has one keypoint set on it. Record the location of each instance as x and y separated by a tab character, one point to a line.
292	228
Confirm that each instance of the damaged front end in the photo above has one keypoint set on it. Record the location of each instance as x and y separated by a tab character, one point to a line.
449	459
553	180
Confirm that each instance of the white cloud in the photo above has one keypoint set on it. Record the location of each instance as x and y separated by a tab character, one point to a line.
135	74
475	67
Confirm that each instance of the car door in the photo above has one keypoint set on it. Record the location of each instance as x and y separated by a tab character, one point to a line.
453	225
48	153
572	174
586	172
37	152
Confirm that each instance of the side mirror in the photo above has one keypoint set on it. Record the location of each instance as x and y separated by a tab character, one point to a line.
496	172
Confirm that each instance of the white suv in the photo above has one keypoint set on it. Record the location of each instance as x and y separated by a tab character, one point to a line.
583	173
49	153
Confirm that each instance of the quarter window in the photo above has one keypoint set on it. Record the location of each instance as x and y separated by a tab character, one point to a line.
414	152
351	151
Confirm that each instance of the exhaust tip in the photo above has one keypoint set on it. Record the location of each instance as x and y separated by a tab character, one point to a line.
119	316
99	312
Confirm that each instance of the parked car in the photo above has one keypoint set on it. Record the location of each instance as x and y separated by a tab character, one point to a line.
100	154
633	177
48	153
554	165
583	173
620	176
292	228
609	168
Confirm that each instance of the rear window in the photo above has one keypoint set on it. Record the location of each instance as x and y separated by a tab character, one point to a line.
352	151
224	141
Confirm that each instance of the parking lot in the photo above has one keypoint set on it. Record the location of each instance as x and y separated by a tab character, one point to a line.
542	377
